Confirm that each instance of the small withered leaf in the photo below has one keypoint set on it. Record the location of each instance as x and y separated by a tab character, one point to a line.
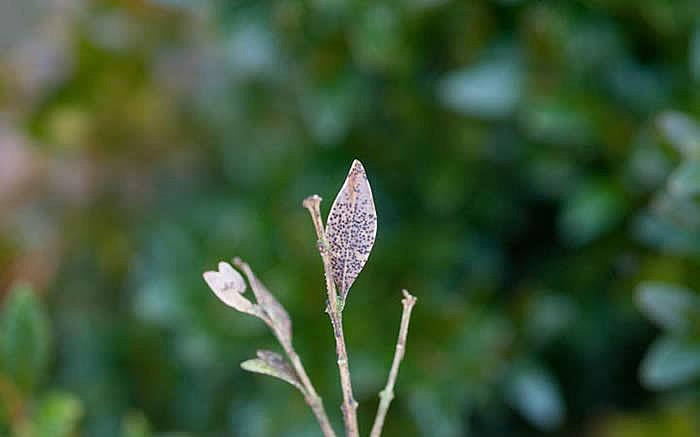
228	285
351	228
272	364
281	322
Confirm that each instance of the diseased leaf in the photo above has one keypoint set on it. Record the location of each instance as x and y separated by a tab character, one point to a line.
228	285
351	228
272	363
281	322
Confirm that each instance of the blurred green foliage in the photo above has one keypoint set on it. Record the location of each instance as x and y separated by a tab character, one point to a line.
535	170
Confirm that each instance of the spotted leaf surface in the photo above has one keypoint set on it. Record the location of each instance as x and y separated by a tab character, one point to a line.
351	228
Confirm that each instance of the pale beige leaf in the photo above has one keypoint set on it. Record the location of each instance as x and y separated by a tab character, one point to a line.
351	228
234	280
228	285
281	322
272	364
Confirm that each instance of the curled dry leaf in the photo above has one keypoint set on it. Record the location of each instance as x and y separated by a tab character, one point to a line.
228	285
281	322
272	363
351	228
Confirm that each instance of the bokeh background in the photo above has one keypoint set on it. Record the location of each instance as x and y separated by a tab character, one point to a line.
536	170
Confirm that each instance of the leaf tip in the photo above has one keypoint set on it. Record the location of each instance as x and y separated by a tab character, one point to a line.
357	169
250	365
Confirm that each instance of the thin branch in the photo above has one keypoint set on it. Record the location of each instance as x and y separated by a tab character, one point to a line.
284	339
312	398
387	395
349	407
310	395
313	204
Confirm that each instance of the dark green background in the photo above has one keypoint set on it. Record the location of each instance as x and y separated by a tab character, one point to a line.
532	162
